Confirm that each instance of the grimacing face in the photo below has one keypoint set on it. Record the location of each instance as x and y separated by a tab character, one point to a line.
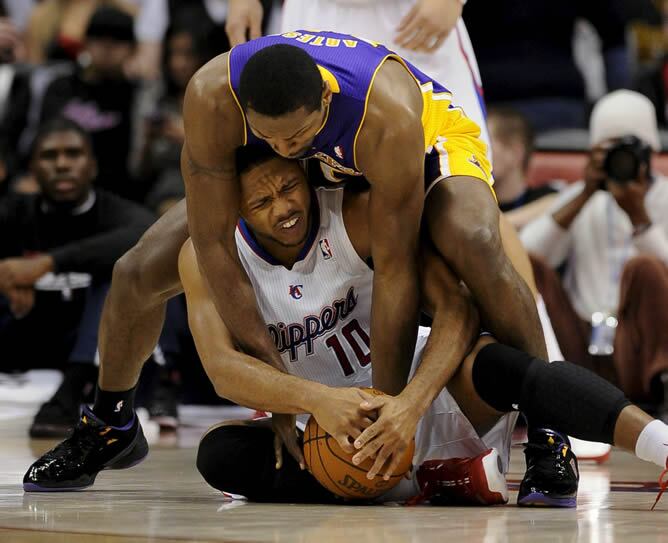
64	167
275	202
291	135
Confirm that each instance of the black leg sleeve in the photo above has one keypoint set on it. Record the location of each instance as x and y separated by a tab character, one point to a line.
240	460
559	395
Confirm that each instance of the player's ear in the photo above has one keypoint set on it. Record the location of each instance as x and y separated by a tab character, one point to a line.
326	93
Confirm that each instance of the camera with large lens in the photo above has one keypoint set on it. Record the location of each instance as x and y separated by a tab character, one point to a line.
623	159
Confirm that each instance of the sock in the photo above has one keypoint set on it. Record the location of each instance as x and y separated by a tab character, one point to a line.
115	408
652	444
76	376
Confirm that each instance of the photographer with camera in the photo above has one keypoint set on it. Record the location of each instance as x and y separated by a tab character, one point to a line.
609	236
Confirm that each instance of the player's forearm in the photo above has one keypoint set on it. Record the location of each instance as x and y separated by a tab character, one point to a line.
234	298
251	383
454	329
394	317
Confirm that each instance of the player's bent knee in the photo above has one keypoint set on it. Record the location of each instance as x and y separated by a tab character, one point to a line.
146	275
126	274
218	458
644	268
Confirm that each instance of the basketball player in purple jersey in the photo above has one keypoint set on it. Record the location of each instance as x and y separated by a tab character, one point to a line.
361	110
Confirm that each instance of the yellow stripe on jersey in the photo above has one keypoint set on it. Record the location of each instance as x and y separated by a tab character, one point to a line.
330	78
366	104
234	95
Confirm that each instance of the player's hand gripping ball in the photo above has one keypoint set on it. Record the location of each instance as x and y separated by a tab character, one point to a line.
334	469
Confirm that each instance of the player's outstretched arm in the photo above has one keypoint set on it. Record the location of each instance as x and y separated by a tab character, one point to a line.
214	129
390	153
250	382
236	376
454	329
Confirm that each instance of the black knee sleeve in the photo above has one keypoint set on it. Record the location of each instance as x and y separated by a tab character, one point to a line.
220	459
240	460
498	374
559	395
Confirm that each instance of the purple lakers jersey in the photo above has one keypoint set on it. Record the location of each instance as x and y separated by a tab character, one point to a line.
350	64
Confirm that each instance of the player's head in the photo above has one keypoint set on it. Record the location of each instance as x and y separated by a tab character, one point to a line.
275	197
63	163
512	140
284	97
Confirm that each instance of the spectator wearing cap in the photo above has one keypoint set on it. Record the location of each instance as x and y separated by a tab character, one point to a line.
94	92
609	232
56	260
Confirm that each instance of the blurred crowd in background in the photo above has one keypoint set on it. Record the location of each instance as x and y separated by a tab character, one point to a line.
91	132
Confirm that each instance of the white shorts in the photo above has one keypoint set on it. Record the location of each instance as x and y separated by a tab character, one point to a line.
445	432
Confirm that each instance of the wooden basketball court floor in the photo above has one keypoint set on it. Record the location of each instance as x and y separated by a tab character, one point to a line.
164	500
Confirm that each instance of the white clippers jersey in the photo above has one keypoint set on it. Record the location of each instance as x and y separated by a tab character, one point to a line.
319	312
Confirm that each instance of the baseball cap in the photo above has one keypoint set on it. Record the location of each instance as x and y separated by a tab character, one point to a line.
110	22
623	113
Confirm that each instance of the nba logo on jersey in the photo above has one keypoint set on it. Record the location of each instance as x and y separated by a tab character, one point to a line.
325	249
338	151
296	291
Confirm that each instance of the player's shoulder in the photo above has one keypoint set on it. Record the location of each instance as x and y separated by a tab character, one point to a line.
210	84
395	95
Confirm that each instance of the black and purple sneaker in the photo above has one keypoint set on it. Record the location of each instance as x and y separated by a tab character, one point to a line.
552	475
92	447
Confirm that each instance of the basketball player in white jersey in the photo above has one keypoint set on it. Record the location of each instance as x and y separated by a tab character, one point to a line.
429	33
306	253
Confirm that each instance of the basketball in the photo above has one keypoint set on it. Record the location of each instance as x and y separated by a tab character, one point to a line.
334	468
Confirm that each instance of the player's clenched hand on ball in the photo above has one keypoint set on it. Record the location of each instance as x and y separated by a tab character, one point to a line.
339	413
389	436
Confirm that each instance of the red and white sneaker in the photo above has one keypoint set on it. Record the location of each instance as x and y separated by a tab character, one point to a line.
463	481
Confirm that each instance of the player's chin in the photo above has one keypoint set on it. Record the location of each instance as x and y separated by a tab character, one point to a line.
292	237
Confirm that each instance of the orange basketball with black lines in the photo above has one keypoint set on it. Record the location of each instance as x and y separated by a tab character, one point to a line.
334	469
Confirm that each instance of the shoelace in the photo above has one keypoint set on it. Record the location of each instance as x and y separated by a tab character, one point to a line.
663	485
546	462
85	436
